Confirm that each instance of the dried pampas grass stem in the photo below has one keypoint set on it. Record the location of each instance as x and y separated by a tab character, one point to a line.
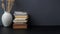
9	5
3	6
12	3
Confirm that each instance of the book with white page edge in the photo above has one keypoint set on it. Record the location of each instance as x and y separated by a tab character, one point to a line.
20	18
20	21
16	12
20	15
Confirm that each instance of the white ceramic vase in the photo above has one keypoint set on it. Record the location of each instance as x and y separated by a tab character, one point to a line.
6	19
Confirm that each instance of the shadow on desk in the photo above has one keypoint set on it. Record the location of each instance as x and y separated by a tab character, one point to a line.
33	30
4	30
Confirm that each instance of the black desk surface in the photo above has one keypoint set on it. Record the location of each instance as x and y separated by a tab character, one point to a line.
33	30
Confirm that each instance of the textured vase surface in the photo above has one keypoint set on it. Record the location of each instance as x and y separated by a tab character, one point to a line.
6	19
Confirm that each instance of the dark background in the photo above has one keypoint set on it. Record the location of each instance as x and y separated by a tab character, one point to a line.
42	12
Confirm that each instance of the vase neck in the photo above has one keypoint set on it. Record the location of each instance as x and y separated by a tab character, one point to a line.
5	11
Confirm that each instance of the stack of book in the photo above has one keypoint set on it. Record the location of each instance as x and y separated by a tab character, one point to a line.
20	20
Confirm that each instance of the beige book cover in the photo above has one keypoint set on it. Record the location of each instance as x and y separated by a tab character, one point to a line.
21	16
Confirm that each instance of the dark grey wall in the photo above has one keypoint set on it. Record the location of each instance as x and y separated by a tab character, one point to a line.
42	12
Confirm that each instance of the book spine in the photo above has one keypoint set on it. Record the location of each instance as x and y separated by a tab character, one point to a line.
21	16
20	21
22	26
21	12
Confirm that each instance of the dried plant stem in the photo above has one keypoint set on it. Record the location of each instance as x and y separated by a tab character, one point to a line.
3	6
8	7
11	5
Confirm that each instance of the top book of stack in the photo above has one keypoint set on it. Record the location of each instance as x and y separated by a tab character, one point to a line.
20	13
